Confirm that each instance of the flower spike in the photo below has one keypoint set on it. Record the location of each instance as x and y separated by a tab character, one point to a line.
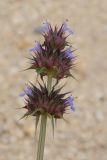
54	59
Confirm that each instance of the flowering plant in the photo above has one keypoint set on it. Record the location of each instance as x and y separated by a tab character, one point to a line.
53	58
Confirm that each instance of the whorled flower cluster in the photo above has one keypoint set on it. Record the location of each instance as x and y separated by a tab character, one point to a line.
40	101
54	57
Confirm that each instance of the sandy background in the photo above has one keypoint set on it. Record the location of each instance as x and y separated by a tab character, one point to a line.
85	137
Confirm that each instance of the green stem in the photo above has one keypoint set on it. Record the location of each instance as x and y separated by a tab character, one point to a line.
49	83
42	134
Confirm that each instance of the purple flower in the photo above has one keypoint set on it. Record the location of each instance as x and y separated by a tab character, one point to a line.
46	26
66	28
27	91
37	48
69	53
70	102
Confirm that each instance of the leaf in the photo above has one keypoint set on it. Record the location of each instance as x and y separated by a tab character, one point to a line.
69	74
37	121
53	125
55	121
25	115
33	113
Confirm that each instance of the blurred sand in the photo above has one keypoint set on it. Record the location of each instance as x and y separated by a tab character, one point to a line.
85	138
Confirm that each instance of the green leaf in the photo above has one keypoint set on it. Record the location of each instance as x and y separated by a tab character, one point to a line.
70	75
25	115
37	120
55	121
53	124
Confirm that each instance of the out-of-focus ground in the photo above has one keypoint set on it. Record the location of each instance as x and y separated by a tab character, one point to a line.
85	137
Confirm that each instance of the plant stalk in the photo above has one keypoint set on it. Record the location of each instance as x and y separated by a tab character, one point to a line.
42	134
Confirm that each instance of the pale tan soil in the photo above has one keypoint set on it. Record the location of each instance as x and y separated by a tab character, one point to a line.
85	138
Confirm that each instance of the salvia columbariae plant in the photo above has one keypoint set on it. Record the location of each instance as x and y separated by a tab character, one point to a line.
54	59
